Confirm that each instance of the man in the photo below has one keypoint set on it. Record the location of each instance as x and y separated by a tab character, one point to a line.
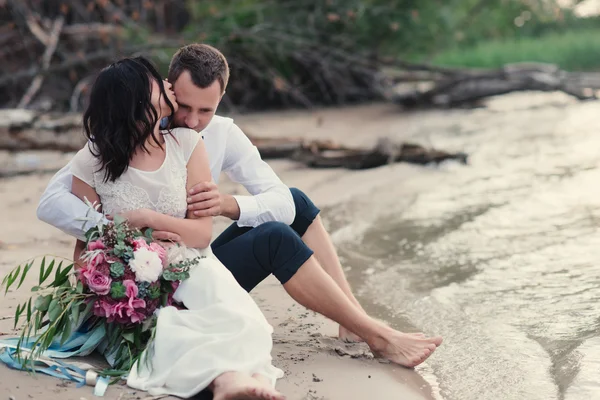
277	230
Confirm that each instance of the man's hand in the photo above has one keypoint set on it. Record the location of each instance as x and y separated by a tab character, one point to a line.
205	200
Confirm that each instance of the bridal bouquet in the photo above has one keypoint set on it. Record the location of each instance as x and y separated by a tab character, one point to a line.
122	278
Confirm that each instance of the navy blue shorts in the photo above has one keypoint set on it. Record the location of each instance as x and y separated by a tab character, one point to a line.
252	254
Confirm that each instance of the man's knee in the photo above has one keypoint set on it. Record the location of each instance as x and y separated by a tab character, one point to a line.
277	246
306	211
274	233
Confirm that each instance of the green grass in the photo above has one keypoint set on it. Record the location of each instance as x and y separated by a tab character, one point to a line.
575	51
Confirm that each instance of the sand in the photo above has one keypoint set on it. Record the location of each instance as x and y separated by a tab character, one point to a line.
316	364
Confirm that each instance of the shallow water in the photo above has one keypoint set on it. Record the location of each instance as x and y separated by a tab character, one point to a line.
500	257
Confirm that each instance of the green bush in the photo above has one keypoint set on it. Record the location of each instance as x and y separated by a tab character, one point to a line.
578	50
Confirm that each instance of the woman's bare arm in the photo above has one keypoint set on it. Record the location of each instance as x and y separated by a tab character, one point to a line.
84	191
196	232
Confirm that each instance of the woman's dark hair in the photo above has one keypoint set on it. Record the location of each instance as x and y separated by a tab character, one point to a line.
120	116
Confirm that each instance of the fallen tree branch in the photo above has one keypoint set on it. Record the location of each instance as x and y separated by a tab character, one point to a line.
28	130
327	154
472	86
52	42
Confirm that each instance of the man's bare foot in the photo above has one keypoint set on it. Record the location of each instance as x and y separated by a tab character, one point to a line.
407	349
349	337
239	386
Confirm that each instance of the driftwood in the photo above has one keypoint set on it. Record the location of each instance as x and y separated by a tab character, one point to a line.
443	87
29	130
328	154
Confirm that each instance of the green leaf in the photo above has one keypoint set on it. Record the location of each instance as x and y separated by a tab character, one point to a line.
36	288
67	330
57	273
88	308
48	272
12	278
42	270
25	271
129	337
75	309
79	287
48	338
42	303
148	234
18	313
54	310
67	270
38	321
29	310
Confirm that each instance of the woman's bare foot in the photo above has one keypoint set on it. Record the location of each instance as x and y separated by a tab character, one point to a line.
239	386
407	349
349	337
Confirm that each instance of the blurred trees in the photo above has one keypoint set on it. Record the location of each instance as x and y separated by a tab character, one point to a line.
281	52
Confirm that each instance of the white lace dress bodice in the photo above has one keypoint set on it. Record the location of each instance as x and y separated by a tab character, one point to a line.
222	328
162	190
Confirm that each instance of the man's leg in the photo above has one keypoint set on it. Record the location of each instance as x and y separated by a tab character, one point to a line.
276	248
309	226
252	254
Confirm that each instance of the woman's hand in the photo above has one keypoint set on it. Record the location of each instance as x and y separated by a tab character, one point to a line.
139	218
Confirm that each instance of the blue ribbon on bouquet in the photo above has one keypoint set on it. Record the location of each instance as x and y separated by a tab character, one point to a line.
80	343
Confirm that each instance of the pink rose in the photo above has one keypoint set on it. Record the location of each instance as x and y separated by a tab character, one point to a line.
162	253
96	245
139	243
97	282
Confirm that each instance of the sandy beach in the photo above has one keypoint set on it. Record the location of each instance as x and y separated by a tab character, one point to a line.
317	365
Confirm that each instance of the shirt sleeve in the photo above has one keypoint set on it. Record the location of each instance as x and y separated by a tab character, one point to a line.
61	208
270	199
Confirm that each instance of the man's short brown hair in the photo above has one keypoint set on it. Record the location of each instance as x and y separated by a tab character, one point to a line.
205	64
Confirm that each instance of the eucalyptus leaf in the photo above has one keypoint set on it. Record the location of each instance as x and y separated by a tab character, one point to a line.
25	271
42	303
29	310
75	309
67	330
54	310
57	274
18	312
47	272
42	270
129	337
13	277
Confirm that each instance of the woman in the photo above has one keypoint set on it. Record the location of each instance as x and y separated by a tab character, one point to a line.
222	341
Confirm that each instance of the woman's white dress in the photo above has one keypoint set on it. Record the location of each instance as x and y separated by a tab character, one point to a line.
222	329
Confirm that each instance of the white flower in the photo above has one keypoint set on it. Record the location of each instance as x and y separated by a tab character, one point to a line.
146	265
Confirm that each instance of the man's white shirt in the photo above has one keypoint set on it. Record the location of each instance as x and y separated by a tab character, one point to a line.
229	150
